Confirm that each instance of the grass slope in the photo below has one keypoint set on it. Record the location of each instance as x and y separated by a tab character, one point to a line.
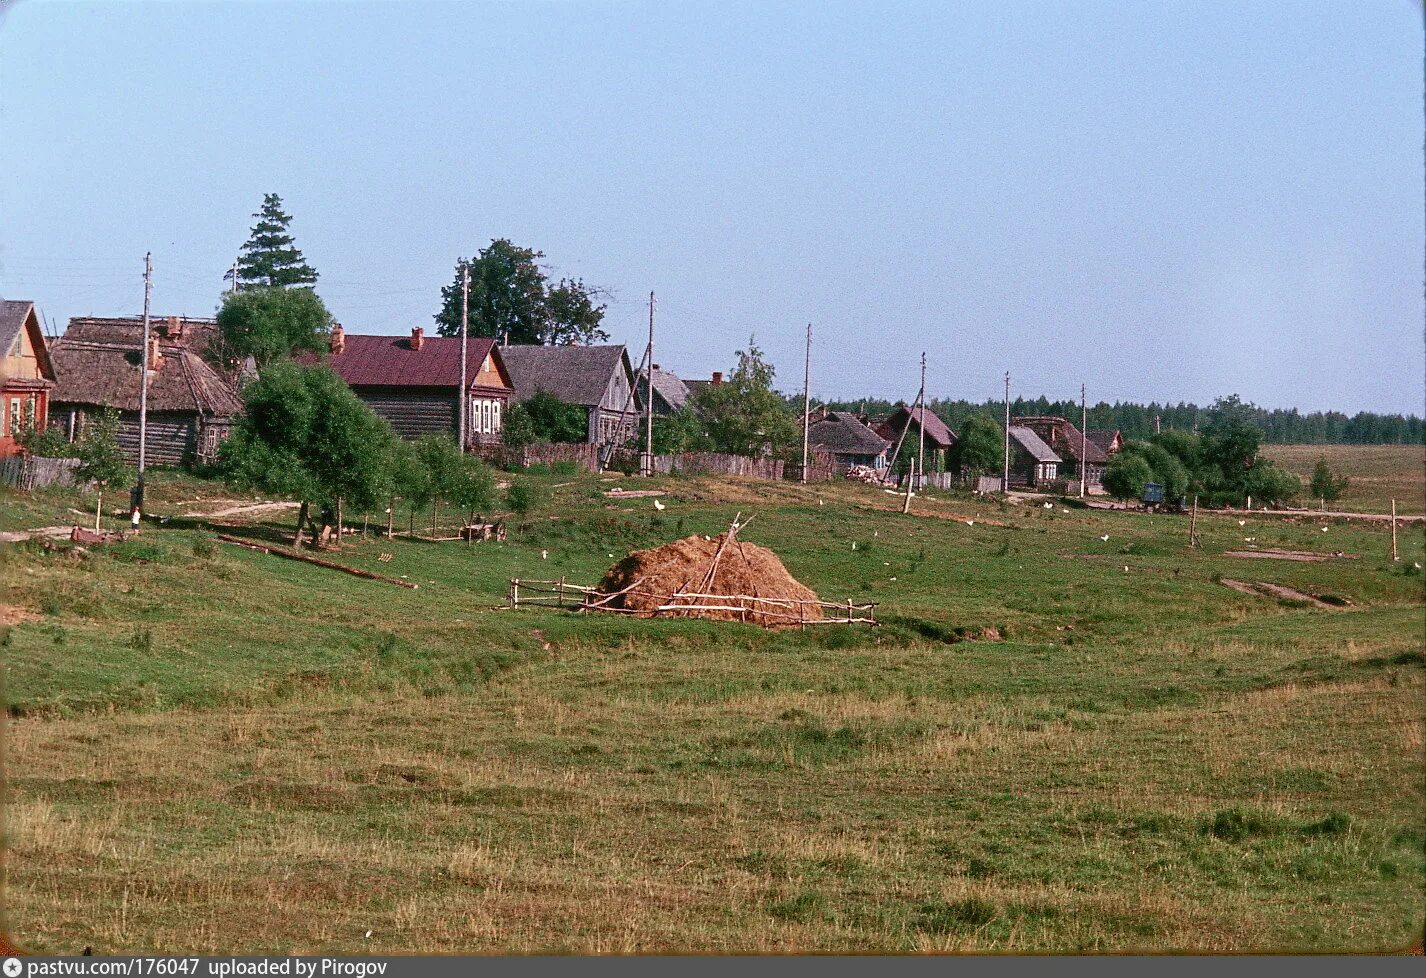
216	750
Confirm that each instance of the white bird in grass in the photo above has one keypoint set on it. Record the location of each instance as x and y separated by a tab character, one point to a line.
970	522
1324	529
1242	522
658	505
854	545
1049	505
544	555
1105	538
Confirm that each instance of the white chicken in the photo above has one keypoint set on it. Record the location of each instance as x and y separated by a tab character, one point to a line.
659	506
1105	537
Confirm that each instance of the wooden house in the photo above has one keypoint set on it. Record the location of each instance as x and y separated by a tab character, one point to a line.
26	373
939	438
847	439
597	378
1072	446
414	382
190	407
1032	462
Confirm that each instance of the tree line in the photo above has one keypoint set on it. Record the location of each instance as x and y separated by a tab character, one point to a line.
1279	426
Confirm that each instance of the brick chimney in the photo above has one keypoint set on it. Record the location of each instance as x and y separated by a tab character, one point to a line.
173	329
418	336
155	354
717	377
338	340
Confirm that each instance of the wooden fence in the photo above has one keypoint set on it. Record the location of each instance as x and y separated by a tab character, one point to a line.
30	472
577	597
585	457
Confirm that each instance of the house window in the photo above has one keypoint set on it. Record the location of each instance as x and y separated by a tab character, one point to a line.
14	425
495	416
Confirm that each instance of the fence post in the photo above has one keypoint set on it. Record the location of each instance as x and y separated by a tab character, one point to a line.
1394	555
515	593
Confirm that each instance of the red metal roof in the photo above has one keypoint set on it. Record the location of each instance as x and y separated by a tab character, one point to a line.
389	361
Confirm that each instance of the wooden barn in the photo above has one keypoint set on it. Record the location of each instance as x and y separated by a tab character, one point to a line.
597	378
26	373
414	382
190	409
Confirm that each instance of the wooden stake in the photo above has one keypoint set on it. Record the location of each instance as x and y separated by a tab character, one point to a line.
1193	525
1395	556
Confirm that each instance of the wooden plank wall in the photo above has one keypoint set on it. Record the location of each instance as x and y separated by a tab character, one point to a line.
411	414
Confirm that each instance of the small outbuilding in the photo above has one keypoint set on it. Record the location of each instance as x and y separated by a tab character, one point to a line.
848	440
1032	462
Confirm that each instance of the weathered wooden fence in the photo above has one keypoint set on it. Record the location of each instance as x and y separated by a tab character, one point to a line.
793	611
585	457
702	463
30	472
821	467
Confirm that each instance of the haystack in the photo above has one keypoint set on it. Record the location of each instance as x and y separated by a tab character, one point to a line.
649	579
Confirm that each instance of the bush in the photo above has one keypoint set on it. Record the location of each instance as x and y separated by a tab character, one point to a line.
522	496
1126	475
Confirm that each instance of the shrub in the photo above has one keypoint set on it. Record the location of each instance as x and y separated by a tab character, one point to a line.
522	496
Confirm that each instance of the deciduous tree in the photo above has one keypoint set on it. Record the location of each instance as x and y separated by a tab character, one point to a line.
267	323
512	300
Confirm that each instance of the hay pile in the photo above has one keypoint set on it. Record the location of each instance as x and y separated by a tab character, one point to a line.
650	578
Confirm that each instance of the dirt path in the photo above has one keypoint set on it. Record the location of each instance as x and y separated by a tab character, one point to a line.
1261	589
1304	555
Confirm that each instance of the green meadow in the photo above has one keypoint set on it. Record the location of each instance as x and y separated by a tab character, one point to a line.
1051	742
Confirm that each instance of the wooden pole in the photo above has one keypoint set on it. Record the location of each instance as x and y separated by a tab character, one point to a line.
648	465
339	520
1083	442
921	429
464	393
911	469
144	387
806	402
390	517
1193	525
1005	476
1395	556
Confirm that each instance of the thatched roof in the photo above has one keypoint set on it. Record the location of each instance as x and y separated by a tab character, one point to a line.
107	375
574	374
196	333
842	433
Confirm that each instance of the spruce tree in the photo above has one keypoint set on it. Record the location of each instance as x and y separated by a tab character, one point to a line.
270	257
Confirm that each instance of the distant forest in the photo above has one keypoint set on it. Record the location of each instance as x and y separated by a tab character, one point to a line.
1136	421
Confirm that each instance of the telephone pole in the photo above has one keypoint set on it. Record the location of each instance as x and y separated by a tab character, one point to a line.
1083	441
920	403
137	503
921	430
1005	476
806	401
464	331
235	276
648	465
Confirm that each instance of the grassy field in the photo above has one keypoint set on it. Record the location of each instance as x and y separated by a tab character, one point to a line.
1379	473
216	750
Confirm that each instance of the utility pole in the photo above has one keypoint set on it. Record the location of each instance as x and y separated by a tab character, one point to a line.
235	276
137	503
920	403
464	332
921	429
1083	441
649	391
806	401
1005	477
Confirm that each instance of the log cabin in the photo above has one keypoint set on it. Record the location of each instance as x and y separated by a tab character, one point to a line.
1073	447
190	407
27	374
414	382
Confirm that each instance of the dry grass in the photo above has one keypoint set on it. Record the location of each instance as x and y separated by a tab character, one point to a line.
1379	473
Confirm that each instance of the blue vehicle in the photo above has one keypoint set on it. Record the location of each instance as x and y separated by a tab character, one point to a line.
1153	493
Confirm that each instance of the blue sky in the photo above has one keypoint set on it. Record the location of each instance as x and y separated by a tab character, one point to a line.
1161	200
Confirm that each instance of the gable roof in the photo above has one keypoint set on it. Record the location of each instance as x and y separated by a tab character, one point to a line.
15	315
1104	438
1033	445
931	422
107	375
389	361
842	433
1065	438
667	386
574	374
